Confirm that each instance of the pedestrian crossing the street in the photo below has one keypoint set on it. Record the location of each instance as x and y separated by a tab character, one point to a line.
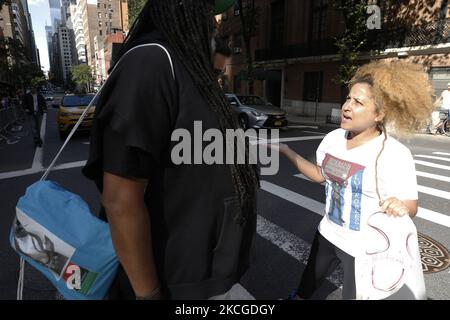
433	185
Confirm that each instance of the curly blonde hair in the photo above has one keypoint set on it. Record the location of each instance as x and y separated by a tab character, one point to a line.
401	90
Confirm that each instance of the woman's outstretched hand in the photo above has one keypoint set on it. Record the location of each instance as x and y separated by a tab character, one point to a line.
280	147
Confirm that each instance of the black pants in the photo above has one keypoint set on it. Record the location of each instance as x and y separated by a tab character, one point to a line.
36	126
324	258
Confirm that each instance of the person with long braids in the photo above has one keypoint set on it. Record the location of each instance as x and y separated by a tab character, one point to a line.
366	170
180	231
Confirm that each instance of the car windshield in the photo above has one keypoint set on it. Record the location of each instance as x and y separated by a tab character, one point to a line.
252	100
77	101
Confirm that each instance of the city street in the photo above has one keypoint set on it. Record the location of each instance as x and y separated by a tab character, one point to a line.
289	210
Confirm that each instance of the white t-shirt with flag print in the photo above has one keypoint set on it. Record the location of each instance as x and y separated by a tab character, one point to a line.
351	196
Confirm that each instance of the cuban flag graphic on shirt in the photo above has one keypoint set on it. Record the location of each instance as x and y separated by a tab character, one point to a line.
343	177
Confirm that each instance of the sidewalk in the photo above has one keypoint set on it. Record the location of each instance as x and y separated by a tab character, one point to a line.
321	121
310	120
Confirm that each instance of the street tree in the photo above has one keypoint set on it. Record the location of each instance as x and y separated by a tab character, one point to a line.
134	8
38	82
82	75
249	16
353	39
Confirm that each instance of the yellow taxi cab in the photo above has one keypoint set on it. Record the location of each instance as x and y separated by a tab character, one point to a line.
69	112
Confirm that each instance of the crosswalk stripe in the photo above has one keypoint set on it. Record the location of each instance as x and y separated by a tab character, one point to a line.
303	127
431	164
432	176
442	153
433	216
26	172
419	173
319	208
434	192
291	244
432	157
298	199
302	176
313	132
291	139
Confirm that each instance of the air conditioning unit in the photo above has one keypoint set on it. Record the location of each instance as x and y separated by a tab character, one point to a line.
237	50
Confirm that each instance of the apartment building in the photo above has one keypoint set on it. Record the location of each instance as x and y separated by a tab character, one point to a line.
77	26
296	60
101	18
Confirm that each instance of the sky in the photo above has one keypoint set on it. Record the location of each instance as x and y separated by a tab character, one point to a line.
40	14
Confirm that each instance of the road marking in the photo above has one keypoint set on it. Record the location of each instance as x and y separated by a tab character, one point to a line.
314	132
319	208
433	216
302	176
291	244
432	176
20	173
432	157
304	127
237	292
39	153
298	199
431	164
434	192
423	189
442	153
292	139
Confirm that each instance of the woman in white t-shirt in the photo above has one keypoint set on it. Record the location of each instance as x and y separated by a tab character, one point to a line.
365	170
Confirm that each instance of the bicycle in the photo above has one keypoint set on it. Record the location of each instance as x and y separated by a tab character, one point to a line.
443	127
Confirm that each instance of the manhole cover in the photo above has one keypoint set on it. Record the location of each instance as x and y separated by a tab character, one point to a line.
435	257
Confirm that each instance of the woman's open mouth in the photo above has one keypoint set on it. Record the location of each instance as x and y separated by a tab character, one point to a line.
346	118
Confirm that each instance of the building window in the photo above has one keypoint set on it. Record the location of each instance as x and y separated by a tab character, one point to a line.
277	24
104	6
100	32
110	15
318	20
99	23
98	5
312	86
99	15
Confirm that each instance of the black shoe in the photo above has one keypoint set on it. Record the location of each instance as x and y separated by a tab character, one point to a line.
40	142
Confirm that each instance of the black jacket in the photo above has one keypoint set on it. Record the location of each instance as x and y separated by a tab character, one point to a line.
27	102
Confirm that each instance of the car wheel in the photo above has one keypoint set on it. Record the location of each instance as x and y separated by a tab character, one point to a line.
243	121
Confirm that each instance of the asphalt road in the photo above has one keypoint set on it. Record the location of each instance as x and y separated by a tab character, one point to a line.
288	208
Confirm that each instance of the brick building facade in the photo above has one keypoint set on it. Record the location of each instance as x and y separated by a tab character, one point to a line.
296	61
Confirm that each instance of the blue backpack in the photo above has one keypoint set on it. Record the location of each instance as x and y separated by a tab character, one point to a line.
55	232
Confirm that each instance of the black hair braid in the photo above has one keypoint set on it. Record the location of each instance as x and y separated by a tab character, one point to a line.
187	25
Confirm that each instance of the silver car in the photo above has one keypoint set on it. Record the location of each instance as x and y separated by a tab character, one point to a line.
255	112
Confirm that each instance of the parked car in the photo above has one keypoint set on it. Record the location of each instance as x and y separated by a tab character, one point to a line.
70	110
255	112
